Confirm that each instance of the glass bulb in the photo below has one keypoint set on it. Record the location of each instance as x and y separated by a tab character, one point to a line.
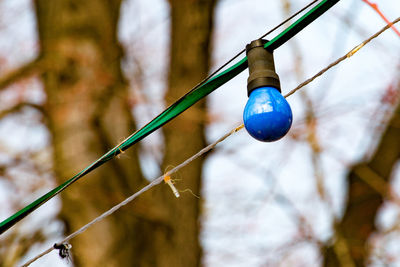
267	115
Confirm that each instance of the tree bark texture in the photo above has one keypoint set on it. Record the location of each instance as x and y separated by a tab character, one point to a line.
368	184
88	113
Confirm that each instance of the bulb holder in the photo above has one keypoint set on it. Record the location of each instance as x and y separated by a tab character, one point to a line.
261	67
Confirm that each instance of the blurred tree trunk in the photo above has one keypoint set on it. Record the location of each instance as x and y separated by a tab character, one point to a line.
89	114
191	31
368	184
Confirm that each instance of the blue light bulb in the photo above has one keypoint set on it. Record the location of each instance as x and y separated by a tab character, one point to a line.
267	115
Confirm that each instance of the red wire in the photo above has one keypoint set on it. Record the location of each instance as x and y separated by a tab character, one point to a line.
376	8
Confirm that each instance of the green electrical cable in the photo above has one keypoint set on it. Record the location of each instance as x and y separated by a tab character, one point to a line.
174	110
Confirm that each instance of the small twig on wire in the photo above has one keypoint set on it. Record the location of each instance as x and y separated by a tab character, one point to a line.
169	182
200	153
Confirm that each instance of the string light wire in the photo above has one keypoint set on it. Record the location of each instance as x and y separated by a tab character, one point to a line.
261	37
175	109
204	150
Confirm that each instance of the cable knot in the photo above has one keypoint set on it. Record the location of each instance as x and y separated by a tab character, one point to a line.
63	250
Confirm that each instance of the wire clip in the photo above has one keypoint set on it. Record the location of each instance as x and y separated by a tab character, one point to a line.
355	50
168	181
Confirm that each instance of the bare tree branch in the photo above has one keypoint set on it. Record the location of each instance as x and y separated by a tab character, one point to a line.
18	107
30	68
368	184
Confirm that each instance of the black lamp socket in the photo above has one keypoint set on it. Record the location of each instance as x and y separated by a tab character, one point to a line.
261	67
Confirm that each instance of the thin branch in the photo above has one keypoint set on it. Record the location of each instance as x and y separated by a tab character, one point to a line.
377	10
18	107
24	71
200	153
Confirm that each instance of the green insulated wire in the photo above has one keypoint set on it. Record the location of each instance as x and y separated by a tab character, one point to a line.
174	110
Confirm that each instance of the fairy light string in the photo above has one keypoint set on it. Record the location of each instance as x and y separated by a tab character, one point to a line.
185	102
202	151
